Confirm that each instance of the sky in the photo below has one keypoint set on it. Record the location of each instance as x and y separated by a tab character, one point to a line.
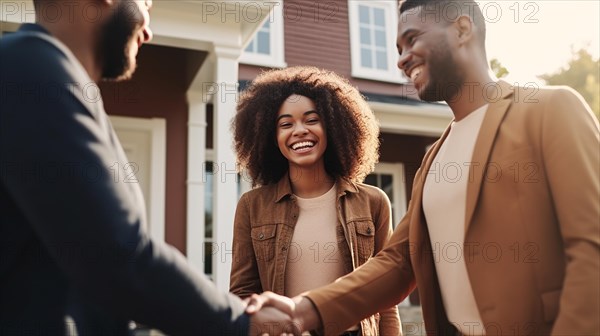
540	36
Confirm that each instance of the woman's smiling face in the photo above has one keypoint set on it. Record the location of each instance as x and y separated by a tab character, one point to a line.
301	134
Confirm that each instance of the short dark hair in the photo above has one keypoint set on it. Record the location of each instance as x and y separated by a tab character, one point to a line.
443	7
37	4
352	131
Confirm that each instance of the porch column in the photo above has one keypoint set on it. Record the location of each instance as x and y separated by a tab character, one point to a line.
196	179
225	176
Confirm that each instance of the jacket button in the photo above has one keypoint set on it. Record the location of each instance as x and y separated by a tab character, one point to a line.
284	248
261	236
369	230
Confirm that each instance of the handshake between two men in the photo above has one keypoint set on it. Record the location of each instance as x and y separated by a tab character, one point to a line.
273	314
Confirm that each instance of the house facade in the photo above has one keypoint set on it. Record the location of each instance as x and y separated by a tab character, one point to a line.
173	117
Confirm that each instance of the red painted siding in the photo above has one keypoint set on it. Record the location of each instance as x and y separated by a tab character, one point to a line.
319	36
318	33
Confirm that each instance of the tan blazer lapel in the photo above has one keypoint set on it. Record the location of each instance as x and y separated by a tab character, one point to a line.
483	147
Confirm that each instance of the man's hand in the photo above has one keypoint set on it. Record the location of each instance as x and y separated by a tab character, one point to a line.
269	299
304	315
271	314
272	322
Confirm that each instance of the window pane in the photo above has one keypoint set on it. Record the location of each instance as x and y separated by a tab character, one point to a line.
380	38
208	210
208	253
365	36
379	17
264	44
363	13
366	60
208	197
371	179
261	43
387	185
381	60
250	47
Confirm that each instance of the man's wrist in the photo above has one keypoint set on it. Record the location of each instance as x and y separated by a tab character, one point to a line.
306	315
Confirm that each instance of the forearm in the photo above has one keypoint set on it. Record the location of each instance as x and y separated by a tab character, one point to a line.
157	287
306	315
389	323
377	285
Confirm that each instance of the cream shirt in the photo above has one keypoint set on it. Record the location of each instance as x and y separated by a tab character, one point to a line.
314	259
444	204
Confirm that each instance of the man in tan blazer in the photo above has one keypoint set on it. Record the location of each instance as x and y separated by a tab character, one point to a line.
502	234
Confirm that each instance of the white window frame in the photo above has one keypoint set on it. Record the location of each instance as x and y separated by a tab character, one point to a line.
399	204
276	59
399	185
244	187
392	74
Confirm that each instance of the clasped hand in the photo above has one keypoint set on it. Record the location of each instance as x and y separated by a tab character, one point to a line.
273	315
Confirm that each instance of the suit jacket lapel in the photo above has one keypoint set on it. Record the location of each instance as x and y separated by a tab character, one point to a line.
483	147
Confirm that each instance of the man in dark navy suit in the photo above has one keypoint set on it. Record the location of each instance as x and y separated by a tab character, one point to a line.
72	238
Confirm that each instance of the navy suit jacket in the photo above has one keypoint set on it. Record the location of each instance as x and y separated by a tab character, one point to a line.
72	231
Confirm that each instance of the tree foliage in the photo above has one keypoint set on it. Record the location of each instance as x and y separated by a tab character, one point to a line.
498	68
582	74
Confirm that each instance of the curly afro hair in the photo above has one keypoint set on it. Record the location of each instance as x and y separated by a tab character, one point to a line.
352	131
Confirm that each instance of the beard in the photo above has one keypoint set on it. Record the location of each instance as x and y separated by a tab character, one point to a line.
445	79
115	44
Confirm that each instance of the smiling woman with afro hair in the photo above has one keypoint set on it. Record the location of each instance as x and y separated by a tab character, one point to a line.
307	138
352	131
